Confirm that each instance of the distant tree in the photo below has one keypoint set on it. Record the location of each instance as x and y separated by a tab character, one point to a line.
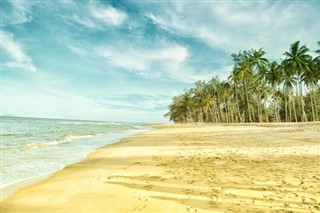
256	91
298	60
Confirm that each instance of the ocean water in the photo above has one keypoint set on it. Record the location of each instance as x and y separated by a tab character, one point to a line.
32	147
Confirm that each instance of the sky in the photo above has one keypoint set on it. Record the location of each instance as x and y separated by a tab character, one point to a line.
125	60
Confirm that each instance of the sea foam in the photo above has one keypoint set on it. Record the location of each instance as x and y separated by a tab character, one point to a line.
33	147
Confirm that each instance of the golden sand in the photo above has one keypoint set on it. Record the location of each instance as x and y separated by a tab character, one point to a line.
189	168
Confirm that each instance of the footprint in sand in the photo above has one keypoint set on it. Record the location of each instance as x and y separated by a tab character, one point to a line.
163	179
148	187
136	163
141	198
214	197
191	210
191	181
316	177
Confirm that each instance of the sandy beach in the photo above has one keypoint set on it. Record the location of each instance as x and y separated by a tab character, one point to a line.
189	168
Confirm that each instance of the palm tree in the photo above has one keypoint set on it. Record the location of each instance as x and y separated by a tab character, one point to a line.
289	81
298	60
215	90
225	93
186	102
265	92
229	101
273	77
316	62
235	82
311	78
244	71
259	64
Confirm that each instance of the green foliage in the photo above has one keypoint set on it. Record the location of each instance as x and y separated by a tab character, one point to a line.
256	91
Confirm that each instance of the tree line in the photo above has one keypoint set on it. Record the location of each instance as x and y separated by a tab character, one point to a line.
257	90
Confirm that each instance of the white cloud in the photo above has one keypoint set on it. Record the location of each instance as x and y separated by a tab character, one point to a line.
95	15
166	61
175	54
107	14
141	59
77	50
17	58
85	21
235	26
17	12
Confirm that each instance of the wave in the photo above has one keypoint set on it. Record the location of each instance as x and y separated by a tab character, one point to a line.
70	138
64	140
92	123
16	134
43	144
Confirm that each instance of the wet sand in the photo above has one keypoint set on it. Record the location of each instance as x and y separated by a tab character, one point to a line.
189	168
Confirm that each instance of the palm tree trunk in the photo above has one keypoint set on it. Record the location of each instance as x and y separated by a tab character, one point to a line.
278	114
237	104
219	108
294	110
259	107
248	112
286	108
312	108
265	109
289	107
303	113
253	112
314	102
217	113
275	114
298	102
232	112
211	114
227	110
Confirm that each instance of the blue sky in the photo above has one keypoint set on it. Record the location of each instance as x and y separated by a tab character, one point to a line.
125	60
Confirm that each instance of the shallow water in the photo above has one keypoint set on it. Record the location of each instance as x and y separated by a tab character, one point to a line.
32	147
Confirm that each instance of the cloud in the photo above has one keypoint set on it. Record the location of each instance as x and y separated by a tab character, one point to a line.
16	58
77	50
225	27
143	59
15	12
107	14
85	21
94	15
162	61
235	26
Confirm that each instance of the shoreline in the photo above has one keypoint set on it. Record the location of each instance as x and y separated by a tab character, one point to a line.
11	188
188	167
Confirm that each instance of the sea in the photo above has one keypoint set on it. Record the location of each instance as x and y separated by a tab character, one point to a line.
33	147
